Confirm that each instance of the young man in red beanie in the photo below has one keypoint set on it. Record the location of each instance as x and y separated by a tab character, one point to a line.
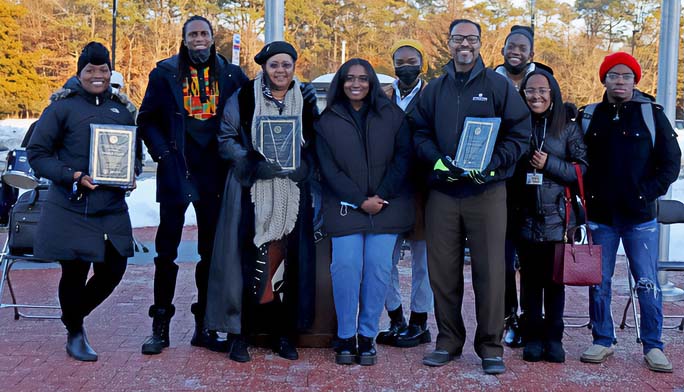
630	166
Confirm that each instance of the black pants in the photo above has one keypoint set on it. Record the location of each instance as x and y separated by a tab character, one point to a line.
511	301
448	220
537	289
77	297
172	218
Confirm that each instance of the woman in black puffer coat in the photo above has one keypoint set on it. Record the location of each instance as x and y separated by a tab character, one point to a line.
81	223
556	143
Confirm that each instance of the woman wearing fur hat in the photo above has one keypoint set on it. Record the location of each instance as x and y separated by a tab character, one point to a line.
82	223
264	237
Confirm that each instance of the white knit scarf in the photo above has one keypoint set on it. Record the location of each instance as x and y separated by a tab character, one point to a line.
276	201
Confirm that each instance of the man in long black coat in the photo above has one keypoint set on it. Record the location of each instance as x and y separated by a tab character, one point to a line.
178	122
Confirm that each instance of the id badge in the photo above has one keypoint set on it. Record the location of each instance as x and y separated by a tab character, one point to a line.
535	178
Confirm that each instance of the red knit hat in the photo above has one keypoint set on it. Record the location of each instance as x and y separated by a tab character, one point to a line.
620	58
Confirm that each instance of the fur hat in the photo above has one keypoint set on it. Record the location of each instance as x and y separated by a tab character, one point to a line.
271	49
94	53
415	45
620	58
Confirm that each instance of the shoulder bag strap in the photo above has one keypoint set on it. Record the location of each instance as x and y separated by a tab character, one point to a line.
580	183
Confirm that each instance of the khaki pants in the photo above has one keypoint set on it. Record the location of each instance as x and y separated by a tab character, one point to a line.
449	220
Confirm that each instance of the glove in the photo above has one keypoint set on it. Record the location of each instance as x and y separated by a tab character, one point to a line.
476	177
300	173
308	93
266	170
446	170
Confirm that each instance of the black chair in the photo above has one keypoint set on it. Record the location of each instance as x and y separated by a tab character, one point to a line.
668	212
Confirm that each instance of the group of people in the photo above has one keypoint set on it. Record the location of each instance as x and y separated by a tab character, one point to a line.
384	159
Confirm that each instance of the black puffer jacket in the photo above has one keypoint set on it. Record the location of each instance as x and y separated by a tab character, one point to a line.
626	172
353	170
540	210
60	146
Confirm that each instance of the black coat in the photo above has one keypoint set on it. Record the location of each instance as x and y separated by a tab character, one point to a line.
540	209
60	146
234	251
626	172
355	166
161	124
439	118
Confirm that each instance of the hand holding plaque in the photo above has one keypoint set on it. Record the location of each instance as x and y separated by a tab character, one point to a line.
477	141
112	154
278	139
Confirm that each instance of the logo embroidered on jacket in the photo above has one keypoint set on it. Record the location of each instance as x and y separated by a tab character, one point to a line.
480	98
115	110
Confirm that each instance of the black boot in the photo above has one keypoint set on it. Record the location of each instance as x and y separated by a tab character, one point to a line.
512	335
416	333
238	348
533	351
367	355
285	348
78	347
554	352
397	325
204	337
161	318
345	350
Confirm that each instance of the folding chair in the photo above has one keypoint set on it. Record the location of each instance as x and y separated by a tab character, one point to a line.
668	212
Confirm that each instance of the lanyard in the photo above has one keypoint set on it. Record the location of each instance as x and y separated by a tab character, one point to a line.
543	138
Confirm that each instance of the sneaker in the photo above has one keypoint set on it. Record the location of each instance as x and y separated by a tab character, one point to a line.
597	353
657	361
493	365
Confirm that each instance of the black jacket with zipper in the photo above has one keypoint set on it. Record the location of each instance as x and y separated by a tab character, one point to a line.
439	118
627	173
540	209
353	170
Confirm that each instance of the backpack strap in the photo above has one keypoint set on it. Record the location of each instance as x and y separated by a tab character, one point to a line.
647	115
587	114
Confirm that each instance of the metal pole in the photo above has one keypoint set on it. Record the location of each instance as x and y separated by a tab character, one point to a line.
344	51
274	16
114	34
667	96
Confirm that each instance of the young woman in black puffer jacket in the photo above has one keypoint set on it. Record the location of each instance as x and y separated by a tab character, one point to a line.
556	143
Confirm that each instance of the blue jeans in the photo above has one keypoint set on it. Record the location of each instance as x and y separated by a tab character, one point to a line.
360	269
641	247
421	293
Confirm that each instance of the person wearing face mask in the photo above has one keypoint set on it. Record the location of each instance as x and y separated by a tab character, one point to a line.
81	224
409	64
555	145
264	238
631	164
179	122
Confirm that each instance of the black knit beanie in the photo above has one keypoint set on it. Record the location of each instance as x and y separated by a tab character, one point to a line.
524	31
94	53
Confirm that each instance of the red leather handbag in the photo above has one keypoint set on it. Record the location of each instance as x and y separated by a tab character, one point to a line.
576	264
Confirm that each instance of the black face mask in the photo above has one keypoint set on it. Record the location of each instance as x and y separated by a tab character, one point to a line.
407	74
199	56
515	70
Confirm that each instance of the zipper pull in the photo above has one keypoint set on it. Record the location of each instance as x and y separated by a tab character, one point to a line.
97	101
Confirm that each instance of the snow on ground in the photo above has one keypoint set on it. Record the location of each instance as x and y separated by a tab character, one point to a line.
144	210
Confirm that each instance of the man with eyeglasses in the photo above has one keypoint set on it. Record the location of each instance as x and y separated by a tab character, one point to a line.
179	121
630	166
473	203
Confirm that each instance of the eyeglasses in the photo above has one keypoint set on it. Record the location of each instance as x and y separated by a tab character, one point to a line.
540	91
284	65
360	78
613	76
457	39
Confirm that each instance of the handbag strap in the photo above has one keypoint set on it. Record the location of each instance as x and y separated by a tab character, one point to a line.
580	183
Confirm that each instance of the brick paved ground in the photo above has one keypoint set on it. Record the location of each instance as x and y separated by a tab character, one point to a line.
32	355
